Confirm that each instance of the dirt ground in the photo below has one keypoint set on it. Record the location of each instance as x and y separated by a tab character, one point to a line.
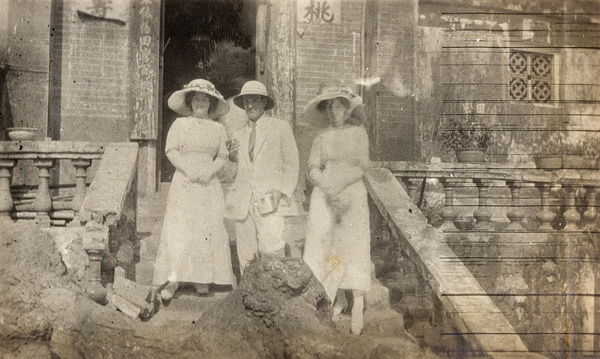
277	311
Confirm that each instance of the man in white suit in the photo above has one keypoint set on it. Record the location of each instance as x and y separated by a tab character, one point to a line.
266	155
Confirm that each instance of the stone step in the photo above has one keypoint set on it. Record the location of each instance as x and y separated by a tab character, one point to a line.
187	306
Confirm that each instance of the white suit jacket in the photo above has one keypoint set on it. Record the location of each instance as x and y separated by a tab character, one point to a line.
275	166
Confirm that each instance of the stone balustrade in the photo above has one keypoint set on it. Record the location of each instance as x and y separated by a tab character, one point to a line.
453	176
102	217
45	155
540	271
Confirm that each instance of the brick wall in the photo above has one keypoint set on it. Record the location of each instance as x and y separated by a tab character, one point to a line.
328	54
95	101
395	127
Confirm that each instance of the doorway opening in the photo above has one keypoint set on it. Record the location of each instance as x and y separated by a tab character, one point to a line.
209	39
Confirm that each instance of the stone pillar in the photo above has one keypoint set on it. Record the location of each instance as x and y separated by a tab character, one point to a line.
81	166
591	213
280	65
6	201
483	214
571	215
93	286
412	185
449	213
515	215
545	215
43	201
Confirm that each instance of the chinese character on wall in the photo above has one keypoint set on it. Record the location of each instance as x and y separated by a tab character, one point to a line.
322	11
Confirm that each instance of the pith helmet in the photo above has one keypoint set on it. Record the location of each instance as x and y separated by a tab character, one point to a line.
253	88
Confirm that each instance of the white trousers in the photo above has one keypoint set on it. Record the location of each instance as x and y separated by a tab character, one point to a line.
258	234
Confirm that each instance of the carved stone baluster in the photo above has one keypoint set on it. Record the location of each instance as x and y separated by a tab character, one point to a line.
515	215
43	202
412	184
6	201
483	214
94	286
81	165
591	213
449	213
571	215
545	215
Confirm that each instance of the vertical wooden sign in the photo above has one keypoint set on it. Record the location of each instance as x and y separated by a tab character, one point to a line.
145	68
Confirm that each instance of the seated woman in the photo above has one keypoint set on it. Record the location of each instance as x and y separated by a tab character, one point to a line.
338	239
194	245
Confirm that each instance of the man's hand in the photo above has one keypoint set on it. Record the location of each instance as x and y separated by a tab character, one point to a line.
232	147
276	197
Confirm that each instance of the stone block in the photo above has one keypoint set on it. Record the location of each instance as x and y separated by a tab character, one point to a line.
69	242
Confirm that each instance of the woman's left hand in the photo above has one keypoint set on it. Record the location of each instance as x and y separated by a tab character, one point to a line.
331	190
201	175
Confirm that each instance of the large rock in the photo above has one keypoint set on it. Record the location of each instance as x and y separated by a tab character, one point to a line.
282	311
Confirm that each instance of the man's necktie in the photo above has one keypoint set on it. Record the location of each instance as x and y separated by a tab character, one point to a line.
252	141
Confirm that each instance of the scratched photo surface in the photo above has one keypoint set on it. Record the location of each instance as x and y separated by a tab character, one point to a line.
479	199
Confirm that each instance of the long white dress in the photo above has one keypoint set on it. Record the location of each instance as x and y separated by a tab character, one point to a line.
337	246
194	245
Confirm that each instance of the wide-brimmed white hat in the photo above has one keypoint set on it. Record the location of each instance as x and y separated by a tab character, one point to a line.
177	102
317	115
253	88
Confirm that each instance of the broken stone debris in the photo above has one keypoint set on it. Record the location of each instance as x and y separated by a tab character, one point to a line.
131	298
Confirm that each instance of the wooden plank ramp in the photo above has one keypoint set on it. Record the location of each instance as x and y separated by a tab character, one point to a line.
475	315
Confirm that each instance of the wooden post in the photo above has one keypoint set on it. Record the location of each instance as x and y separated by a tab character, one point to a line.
43	201
6	201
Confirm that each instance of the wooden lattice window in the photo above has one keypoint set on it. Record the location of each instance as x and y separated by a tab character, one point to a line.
531	76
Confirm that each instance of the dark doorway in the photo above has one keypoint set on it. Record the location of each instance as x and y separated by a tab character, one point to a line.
210	39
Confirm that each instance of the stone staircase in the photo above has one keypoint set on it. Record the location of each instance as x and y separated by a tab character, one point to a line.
187	305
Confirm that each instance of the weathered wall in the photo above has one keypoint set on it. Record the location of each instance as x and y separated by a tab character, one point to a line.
394	130
464	59
27	62
3	30
95	88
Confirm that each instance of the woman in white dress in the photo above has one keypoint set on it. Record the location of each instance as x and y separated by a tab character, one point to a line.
337	246
194	245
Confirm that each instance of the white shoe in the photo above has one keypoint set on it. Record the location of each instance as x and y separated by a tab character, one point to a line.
356	323
169	291
340	303
201	288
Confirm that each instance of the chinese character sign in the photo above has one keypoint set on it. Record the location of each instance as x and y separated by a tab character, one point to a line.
104	9
321	11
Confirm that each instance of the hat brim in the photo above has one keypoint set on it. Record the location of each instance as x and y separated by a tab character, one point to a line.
177	103
319	118
239	101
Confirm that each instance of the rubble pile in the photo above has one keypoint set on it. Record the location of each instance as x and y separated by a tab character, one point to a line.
278	311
